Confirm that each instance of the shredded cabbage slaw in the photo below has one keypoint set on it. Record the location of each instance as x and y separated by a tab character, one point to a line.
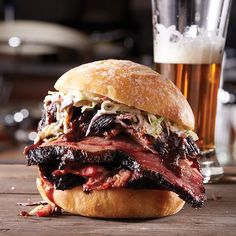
150	124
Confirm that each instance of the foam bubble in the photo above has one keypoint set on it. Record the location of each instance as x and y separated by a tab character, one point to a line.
194	46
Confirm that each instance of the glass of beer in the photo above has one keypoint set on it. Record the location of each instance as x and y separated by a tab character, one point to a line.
189	38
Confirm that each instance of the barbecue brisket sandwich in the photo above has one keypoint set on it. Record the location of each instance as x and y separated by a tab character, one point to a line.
116	141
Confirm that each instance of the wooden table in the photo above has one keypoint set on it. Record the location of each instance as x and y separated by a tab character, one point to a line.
17	184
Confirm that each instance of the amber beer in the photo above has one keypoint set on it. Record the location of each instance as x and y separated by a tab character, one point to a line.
188	42
199	83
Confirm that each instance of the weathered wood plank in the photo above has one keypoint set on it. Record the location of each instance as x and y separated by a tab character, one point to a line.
13	155
214	219
18	179
16	170
217	217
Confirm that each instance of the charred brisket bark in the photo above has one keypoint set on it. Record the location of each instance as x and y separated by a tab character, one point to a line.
121	155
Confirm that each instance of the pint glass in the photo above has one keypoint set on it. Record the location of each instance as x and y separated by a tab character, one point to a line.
189	38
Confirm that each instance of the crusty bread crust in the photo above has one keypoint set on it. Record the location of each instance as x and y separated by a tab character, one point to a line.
115	203
131	84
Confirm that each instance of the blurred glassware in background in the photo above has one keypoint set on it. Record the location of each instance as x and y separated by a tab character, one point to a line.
226	114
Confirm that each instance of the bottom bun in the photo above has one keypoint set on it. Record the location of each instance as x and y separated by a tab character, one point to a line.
114	203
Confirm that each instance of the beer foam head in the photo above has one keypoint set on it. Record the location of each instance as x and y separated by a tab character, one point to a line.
194	46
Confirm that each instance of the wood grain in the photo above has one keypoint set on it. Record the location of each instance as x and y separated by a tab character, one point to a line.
12	155
217	217
18	179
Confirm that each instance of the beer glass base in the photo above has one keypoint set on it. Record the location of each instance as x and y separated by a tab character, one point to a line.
210	167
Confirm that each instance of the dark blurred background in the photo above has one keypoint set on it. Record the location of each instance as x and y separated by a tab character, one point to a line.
112	29
108	29
40	40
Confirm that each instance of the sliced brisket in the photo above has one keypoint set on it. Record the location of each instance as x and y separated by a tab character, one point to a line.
181	175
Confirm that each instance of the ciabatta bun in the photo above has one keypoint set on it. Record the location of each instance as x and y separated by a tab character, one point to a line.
115	203
131	84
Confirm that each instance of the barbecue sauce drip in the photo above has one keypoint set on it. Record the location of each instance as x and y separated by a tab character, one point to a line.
49	191
46	184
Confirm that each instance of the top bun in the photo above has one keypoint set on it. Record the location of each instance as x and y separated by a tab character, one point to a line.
132	84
